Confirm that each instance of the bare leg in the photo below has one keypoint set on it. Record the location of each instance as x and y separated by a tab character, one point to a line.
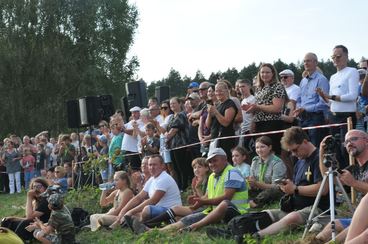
181	211
293	218
359	223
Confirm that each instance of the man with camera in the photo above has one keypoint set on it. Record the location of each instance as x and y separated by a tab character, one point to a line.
300	193
356	176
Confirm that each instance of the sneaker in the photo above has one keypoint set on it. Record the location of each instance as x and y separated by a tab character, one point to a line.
215	233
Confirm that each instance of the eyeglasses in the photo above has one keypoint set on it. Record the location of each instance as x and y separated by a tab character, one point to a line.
37	186
352	139
164	108
203	89
336	56
284	77
295	150
101	126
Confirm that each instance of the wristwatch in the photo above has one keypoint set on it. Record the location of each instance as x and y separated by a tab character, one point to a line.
333	97
296	191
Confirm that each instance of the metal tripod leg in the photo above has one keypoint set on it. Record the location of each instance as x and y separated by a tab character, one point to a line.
316	202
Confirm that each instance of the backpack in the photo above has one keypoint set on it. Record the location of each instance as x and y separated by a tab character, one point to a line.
80	217
249	223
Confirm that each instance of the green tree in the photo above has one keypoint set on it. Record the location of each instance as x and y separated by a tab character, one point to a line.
52	51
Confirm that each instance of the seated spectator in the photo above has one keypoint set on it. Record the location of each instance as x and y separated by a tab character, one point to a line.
60	226
139	179
240	157
36	207
356	177
199	187
265	169
159	194
69	174
302	189
118	198
225	198
28	165
60	179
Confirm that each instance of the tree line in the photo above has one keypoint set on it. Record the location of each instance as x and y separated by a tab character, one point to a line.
178	85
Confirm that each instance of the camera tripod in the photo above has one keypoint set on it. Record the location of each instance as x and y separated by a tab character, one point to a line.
331	175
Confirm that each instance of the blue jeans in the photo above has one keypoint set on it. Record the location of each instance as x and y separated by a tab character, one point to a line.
313	119
28	176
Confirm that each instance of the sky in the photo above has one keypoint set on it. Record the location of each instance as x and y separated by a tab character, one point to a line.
214	35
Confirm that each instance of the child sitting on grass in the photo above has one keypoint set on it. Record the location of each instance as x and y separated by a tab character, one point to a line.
60	227
239	156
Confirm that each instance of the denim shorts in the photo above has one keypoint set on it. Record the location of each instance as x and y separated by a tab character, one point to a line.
156	210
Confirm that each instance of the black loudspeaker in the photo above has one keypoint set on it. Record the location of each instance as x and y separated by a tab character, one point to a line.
72	108
136	93
90	110
125	108
107	107
162	93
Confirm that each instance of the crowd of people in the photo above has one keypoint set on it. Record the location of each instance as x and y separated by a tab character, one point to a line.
203	143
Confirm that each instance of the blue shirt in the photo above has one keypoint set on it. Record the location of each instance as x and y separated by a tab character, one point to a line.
309	99
362	100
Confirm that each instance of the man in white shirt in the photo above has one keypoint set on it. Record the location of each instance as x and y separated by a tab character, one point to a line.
130	141
344	89
158	195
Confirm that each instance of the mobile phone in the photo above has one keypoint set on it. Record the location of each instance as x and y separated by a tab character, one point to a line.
280	181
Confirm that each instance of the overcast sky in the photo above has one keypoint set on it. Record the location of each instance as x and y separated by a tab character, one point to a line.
213	35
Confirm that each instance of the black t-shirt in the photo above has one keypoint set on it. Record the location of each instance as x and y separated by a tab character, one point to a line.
219	130
307	172
40	160
42	206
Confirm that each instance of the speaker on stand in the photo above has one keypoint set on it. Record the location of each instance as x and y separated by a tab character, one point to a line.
162	93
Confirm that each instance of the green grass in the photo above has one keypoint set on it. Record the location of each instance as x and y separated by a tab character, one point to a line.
13	205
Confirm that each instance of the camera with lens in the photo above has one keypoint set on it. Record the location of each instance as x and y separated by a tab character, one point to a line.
52	190
329	156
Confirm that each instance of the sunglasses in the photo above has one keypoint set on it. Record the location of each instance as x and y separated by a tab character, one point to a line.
284	77
37	187
164	108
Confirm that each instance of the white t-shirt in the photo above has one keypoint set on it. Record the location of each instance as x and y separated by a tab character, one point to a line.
130	143
344	83
163	122
247	117
164	182
293	92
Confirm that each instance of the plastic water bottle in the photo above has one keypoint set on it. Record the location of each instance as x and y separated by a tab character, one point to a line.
106	186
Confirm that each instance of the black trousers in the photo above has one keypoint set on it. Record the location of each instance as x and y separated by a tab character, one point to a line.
182	161
272	125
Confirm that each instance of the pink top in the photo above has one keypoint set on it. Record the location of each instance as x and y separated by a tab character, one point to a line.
28	163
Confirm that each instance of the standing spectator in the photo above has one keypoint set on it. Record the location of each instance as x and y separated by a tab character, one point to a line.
67	150
204	131
221	119
26	145
152	101
115	157
193	87
75	142
362	101
177	135
4	180
28	165
293	93
344	89
149	143
311	108
164	117
130	140
40	160
11	158
270	96
244	88
193	118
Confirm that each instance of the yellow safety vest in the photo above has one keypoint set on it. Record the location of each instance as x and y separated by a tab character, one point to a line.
216	189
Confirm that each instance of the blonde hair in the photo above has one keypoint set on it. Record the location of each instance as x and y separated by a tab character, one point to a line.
61	170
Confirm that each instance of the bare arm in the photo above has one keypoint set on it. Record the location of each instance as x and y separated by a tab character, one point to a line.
127	195
106	200
150	201
226	119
